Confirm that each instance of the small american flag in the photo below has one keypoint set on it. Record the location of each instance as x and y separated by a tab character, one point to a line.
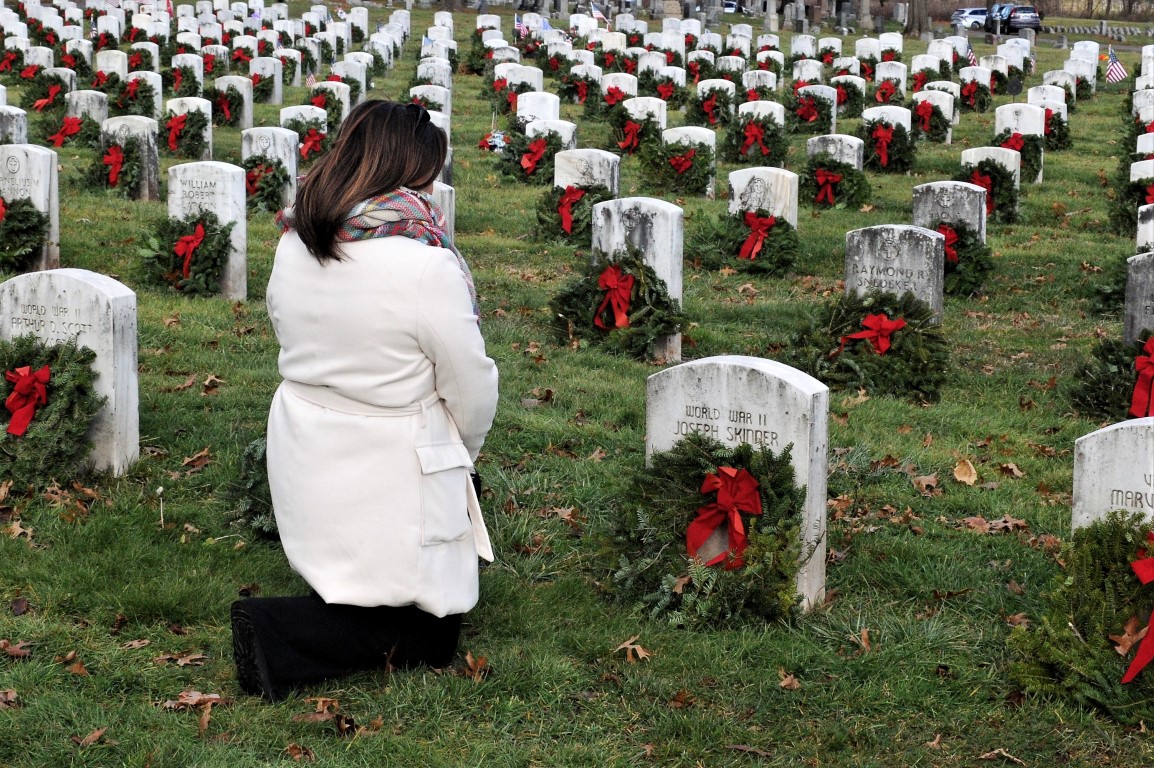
596	12
311	80
519	26
1115	72
970	57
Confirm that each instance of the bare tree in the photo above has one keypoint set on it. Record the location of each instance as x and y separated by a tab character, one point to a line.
917	18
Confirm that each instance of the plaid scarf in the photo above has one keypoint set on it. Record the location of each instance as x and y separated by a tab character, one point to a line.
406	213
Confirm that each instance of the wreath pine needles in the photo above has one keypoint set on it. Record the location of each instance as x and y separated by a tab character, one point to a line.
162	266
569	90
660	174
329	102
288	68
916	365
1104	382
98	175
653	568
770	150
126	101
188	85
980	96
1002	190
549	219
55	447
998	82
39	88
972	261
718	241
1068	653
1124	209
251	493
302	127
799	104
1031	153
721	116
191	141
517	146
895	99
652	314
23	230
265	181
939	125
428	103
51	125
227	105
648	133
901	151
851	192
262	88
853	101
1083	90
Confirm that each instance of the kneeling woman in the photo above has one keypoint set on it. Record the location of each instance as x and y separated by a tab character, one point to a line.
386	399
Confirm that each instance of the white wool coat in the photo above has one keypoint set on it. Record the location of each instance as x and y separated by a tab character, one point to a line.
386	399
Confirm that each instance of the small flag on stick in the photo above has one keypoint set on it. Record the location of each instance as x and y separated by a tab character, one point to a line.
1115	72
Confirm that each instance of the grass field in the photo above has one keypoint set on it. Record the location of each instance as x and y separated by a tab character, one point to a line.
905	665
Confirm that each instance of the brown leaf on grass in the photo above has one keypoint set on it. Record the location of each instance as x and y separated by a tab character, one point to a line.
299	753
936	743
189	383
681	700
19	606
8	699
345	726
849	401
1011	470
118	624
633	651
187	660
863	640
15	650
727	271
476	668
77	668
866	208
905	429
928	440
172	321
788	681
15	530
133	645
1018	620
203	720
977	523
211	384
965	473
1000	754
192	699
1130	635
1015	587
198	460
597	455
91	738
927	485
1008	524
749	750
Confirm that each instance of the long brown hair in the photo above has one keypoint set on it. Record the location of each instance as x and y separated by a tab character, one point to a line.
382	145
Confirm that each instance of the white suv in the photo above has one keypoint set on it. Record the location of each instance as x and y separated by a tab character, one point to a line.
970	18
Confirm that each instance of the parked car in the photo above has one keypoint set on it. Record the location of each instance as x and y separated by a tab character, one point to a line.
970	18
1011	18
729	6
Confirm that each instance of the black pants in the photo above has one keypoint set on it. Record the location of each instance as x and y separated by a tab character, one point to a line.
282	642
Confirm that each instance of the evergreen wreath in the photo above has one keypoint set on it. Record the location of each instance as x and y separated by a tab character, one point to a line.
700	69
770	64
1058	136
505	98
309	64
106	41
1129	196
1031	152
195	275
665	88
808	114
1014	73
719	241
266	179
52	130
850	99
891	54
288	68
827	54
353	84
899	154
975	97
1082	89
850	191
923	76
760	93
326	51
328	101
894	91
23	230
939	123
380	66
55	446
653	568
1001	196
477	57
578	89
1071	102
227	105
649	132
76	63
967	260
39	90
262	88
598	106
134	97
722	113
182	81
549	218
1104	382
190	141
651	313
915	366
519	150
428	103
126	171
866	67
657	162
998	82
1068	654
755	140
107	83
303	128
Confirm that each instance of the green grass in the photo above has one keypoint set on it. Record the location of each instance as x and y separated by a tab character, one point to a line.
933	596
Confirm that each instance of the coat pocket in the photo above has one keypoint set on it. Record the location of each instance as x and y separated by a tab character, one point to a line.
444	501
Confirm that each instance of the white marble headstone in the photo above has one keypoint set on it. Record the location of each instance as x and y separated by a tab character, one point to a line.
1114	470
896	258
217	188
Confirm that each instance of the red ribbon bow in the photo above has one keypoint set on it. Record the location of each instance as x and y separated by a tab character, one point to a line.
736	493
951	236
1143	568
240	54
888	55
6	62
630	66
752	95
186	246
882	136
842	94
67	60
511	100
798	85
665	91
500	83
970	92
177	79
29	72
222	103
877	333
132	87
983	181
319	100
867	71
827	58
618	288
1014	142
30	392
1141	399
565	207
695	70
825	181
114	159
1149	193
53	92
334	79
710	108
3	209
754	133
807	110
99	79
758	231
632	137
1047	129
920	79
209	63
582	91
255	79
137	59
175	126
614	95
885	92
312	143
669	56
70	127
530	159
924	111
682	163
610	60
253	177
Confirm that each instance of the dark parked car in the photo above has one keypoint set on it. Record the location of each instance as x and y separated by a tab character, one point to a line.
1011	18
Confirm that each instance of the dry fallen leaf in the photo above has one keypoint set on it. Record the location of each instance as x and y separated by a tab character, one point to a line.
936	743
748	749
928	440
681	700
1000	753
1018	620
1011	470
927	485
299	753
15	650
476	667
633	651
965	473
172	320
1130	635
788	681
198	460
133	645
8	699
91	738
849	401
